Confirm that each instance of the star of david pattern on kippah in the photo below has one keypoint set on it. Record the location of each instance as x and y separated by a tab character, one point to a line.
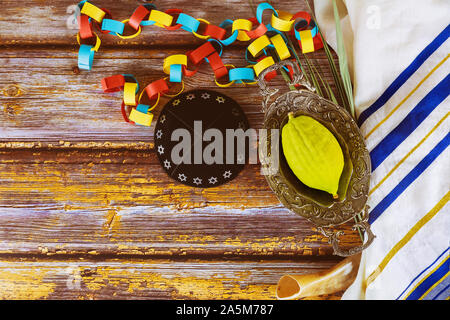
215	111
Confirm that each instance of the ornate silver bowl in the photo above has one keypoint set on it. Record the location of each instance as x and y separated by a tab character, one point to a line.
317	206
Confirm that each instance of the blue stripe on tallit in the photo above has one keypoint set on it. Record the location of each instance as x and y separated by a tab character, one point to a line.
405	75
420	112
422	272
430	281
409	178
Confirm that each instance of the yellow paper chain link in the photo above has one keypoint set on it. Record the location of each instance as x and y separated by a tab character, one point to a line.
283	22
129	93
161	19
263	64
138	32
93	12
97	41
141	118
174	59
280	47
242	25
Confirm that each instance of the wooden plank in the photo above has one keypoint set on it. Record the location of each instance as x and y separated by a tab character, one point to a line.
69	201
43	100
85	210
148	279
40	23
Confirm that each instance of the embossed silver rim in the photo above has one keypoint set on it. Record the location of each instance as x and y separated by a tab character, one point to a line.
341	123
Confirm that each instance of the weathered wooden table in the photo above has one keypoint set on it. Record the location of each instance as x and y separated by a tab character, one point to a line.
86	212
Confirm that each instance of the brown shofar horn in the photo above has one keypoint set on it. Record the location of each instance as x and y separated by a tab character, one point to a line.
336	279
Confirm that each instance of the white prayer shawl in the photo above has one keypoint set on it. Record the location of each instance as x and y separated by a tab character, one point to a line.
399	61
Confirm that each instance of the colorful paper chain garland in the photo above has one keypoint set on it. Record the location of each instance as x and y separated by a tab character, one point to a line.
176	66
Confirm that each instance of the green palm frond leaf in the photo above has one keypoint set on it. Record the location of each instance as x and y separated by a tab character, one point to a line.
343	61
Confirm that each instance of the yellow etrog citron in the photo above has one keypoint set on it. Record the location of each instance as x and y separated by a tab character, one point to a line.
313	153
